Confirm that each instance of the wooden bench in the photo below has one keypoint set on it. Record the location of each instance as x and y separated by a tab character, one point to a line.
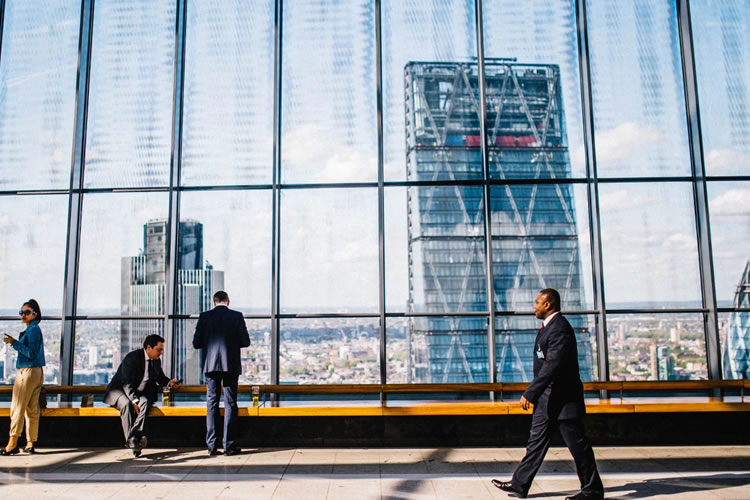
505	403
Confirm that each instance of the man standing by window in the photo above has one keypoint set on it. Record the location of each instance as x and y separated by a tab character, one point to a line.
220	334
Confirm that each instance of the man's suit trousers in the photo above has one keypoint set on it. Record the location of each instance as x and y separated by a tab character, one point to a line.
214	381
539	440
133	425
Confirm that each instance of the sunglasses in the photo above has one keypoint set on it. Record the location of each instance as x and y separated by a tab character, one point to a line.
24	312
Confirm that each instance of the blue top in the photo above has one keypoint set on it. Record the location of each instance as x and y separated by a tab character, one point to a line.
30	347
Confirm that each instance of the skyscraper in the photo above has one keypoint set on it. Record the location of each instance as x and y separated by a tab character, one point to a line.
144	292
737	343
534	232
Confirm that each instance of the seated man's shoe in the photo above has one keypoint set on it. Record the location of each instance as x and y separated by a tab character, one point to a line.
136	452
143	442
234	450
213	452
586	495
508	486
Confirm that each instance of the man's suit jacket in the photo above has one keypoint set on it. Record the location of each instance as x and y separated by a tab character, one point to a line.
556	389
220	334
129	376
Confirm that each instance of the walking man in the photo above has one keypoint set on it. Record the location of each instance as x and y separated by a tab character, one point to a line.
557	396
220	334
133	389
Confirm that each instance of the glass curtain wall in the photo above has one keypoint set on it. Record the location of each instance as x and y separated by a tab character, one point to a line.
332	166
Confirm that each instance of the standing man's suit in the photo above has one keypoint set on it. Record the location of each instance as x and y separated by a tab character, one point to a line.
220	334
128	387
557	395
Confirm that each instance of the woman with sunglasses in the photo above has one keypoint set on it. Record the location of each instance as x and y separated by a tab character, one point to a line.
28	383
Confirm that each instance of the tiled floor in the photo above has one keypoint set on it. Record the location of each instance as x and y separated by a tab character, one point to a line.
355	473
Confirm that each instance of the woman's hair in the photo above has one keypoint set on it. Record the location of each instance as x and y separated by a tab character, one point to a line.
34	305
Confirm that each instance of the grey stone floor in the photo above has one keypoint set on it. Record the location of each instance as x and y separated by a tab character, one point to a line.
356	473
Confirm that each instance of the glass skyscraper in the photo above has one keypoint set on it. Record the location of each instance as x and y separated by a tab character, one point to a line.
736	358
534	233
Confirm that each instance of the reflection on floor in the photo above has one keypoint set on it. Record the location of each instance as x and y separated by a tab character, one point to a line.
356	473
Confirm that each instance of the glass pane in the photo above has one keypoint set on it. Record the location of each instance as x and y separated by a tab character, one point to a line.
330	351
445	245
396	250
429	31
225	244
721	42
129	134
534	95
228	107
540	239
649	245
734	334
437	350
102	344
32	250
730	236
256	359
51	332
514	345
328	119
637	85
656	347
329	250
37	93
123	254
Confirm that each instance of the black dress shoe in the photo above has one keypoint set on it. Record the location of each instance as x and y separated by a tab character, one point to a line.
30	449
586	495
214	452
508	486
14	451
234	450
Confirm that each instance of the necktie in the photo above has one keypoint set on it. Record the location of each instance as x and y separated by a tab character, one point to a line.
151	371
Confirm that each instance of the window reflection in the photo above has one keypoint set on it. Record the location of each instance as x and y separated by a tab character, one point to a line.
637	86
129	141
328	92
37	93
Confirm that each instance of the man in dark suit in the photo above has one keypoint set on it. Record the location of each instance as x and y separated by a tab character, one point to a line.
220	334
133	389
557	395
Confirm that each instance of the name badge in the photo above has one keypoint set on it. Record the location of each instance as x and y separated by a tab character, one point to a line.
539	353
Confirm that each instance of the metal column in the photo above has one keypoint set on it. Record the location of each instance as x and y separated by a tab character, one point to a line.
705	257
173	223
592	189
276	195
75	202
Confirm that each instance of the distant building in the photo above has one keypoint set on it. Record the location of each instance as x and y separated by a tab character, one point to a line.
144	292
534	231
737	343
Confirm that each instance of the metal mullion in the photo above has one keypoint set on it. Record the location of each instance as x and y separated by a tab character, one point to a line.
381	194
275	199
490	288
331	185
75	196
703	231
228	187
31	192
592	190
173	222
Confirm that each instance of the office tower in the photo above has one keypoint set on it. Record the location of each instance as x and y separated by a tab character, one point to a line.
664	364
144	293
534	231
737	343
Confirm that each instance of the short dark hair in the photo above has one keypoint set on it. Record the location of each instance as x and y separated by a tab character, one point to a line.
34	305
152	340
553	297
221	296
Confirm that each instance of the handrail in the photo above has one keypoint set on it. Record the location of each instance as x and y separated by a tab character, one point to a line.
640	385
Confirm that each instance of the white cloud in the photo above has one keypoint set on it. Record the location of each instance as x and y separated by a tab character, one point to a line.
621	142
619	200
727	161
731	202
